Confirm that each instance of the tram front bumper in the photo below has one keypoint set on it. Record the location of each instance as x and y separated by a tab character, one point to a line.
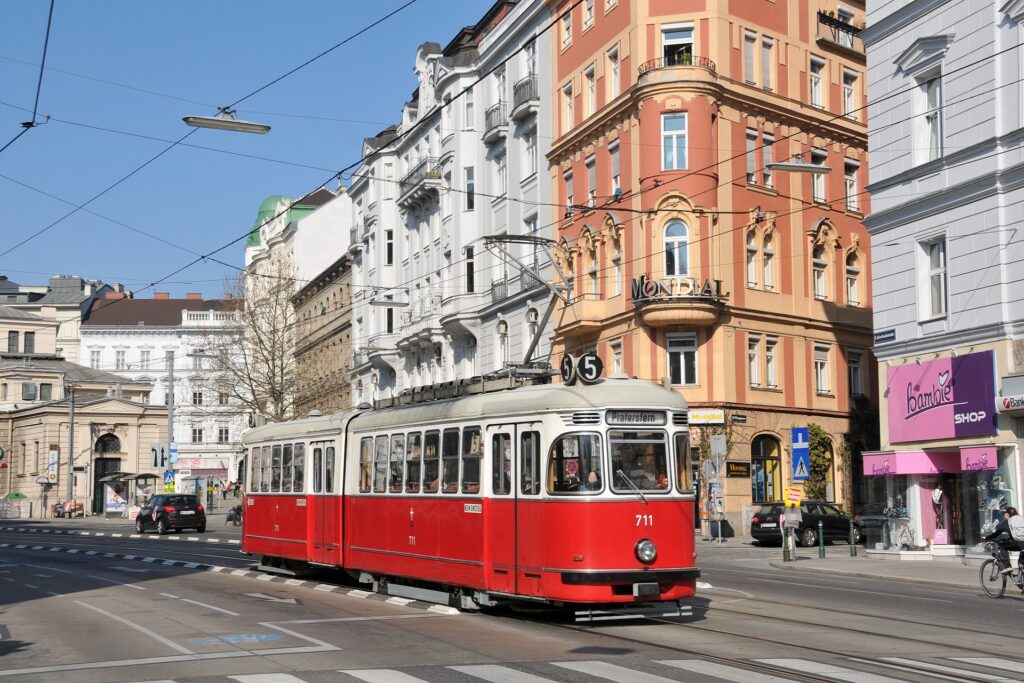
603	577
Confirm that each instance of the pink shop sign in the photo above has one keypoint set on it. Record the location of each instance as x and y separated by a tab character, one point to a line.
977	458
944	398
911	462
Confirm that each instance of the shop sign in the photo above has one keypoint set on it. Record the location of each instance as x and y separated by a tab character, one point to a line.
737	469
945	398
911	462
645	289
977	458
1010	404
707	416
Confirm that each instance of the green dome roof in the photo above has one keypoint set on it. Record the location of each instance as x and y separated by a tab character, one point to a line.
267	210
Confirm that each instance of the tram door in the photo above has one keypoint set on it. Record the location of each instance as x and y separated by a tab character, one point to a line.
512	535
325	510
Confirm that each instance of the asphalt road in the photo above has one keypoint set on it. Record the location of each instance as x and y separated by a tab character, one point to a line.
66	614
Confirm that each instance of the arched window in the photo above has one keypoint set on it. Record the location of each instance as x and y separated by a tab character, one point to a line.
818	267
108	443
751	259
677	260
852	279
767	256
765	469
503	350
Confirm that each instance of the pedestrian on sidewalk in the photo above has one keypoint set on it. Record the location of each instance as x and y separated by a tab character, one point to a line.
1010	535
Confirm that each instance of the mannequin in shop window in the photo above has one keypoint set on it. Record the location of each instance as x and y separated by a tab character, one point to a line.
939	506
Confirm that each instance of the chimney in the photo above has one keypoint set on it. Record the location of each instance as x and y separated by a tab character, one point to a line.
194	295
115	295
229	296
161	295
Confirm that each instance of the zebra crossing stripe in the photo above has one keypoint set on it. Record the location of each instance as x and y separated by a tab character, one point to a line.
990	662
726	673
267	678
382	676
806	666
612	672
944	669
499	674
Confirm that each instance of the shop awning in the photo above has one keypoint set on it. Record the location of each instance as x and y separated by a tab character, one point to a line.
964	459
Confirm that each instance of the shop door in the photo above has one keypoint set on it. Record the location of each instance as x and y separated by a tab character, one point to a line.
101	467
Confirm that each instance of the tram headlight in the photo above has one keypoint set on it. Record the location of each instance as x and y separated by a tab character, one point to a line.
646	551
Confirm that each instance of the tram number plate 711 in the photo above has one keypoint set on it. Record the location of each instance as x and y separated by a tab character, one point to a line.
645	520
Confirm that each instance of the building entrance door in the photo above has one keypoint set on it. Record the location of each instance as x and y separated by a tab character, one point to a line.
101	468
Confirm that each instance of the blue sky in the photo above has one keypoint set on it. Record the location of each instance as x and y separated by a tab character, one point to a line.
210	53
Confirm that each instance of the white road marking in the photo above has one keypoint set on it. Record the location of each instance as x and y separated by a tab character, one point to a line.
119	583
267	678
847	590
914	664
138	627
399	601
701	585
728	673
208	606
806	666
49	569
382	676
612	672
170	595
30	585
498	674
991	662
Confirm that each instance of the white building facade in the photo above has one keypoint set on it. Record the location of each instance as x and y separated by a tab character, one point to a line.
433	300
946	130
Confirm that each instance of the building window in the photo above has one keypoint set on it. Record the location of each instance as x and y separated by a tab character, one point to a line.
530	57
389	247
845	38
569	206
771	362
470	271
613	73
588	14
197	398
821	373
566	30
144	359
503	357
567	108
751	260
849	94
29	391
677	260
852	280
617	271
197	361
119	361
673	141
749	43
470	112
818	158
936	253
222	398
613	152
591	85
682	359
45	392
850	184
766	62
753	359
677	45
197	435
12	342
816	84
616	349
223	434
94	358
766	158
591	165
853	366
930	104
501	172
30	342
470	188
768	258
751	156
530	162
389	319
819	267
765	470
389	169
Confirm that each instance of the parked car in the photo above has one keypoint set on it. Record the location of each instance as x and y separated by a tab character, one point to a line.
169	511
764	525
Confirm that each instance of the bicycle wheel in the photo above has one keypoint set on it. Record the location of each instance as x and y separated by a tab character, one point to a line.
993	582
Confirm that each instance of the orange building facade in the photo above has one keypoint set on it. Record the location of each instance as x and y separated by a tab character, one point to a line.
694	264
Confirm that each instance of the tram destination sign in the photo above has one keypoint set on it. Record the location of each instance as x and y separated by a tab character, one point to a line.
635	417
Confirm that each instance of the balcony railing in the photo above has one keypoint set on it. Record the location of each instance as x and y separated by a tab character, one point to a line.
428	169
524	91
677	60
494	118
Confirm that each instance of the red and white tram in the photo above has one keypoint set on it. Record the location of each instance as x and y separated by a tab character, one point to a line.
561	494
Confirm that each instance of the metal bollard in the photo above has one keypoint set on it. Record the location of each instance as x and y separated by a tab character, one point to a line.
821	540
853	539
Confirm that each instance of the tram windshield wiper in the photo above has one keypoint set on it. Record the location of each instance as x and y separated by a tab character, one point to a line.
632	485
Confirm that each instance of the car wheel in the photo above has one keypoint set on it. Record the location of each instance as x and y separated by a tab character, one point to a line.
201	529
138	526
808	538
161	526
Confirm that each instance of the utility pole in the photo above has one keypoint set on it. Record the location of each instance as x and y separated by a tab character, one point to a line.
170	407
71	442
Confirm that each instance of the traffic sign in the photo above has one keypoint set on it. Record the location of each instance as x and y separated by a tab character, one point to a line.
801	454
718	453
794	494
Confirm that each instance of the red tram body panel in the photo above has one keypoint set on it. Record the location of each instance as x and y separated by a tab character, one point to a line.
567	495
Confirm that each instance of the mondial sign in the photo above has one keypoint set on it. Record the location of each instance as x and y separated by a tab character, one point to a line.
680	287
1010	404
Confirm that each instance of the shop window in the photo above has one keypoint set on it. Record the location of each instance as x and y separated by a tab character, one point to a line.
765	470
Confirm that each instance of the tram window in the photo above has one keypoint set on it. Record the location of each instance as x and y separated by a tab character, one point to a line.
450	461
286	468
397	463
574	464
329	470
254	470
501	464
365	464
431	449
684	465
265	470
275	470
529	463
299	468
412	465
642	458
318	463
380	465
472	454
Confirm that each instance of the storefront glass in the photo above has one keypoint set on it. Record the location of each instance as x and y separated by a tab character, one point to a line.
986	494
765	470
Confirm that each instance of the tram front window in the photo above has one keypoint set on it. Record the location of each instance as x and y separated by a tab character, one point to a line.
641	458
574	464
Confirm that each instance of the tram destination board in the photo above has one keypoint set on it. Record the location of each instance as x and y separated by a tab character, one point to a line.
635	417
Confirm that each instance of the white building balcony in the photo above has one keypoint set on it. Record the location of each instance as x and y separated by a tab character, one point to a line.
419	184
209	318
495	123
525	98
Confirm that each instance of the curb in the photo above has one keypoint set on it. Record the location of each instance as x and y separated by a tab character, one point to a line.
271	578
63	532
866	575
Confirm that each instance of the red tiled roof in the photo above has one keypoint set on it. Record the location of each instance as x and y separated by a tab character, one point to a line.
121	312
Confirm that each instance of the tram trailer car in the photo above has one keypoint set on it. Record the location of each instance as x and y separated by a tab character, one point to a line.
564	495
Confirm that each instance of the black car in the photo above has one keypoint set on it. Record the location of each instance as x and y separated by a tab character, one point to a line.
764	525
171	511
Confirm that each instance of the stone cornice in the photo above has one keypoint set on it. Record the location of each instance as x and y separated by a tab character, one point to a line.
942	342
897	20
923	54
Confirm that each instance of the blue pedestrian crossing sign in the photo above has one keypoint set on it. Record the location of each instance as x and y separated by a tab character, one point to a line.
801	454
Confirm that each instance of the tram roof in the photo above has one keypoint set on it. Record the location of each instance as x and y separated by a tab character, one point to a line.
607	393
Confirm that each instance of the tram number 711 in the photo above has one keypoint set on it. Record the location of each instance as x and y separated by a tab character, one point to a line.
645	520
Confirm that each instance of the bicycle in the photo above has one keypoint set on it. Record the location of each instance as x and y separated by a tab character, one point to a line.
993	580
234	516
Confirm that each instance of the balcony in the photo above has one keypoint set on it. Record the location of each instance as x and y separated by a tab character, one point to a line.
419	183
680	60
525	98
679	70
495	123
837	33
355	243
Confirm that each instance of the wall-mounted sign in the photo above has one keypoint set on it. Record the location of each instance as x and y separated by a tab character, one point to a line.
707	416
945	398
635	417
739	419
681	287
885	336
1010	404
737	469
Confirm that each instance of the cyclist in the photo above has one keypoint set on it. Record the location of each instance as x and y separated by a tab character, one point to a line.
1013	527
